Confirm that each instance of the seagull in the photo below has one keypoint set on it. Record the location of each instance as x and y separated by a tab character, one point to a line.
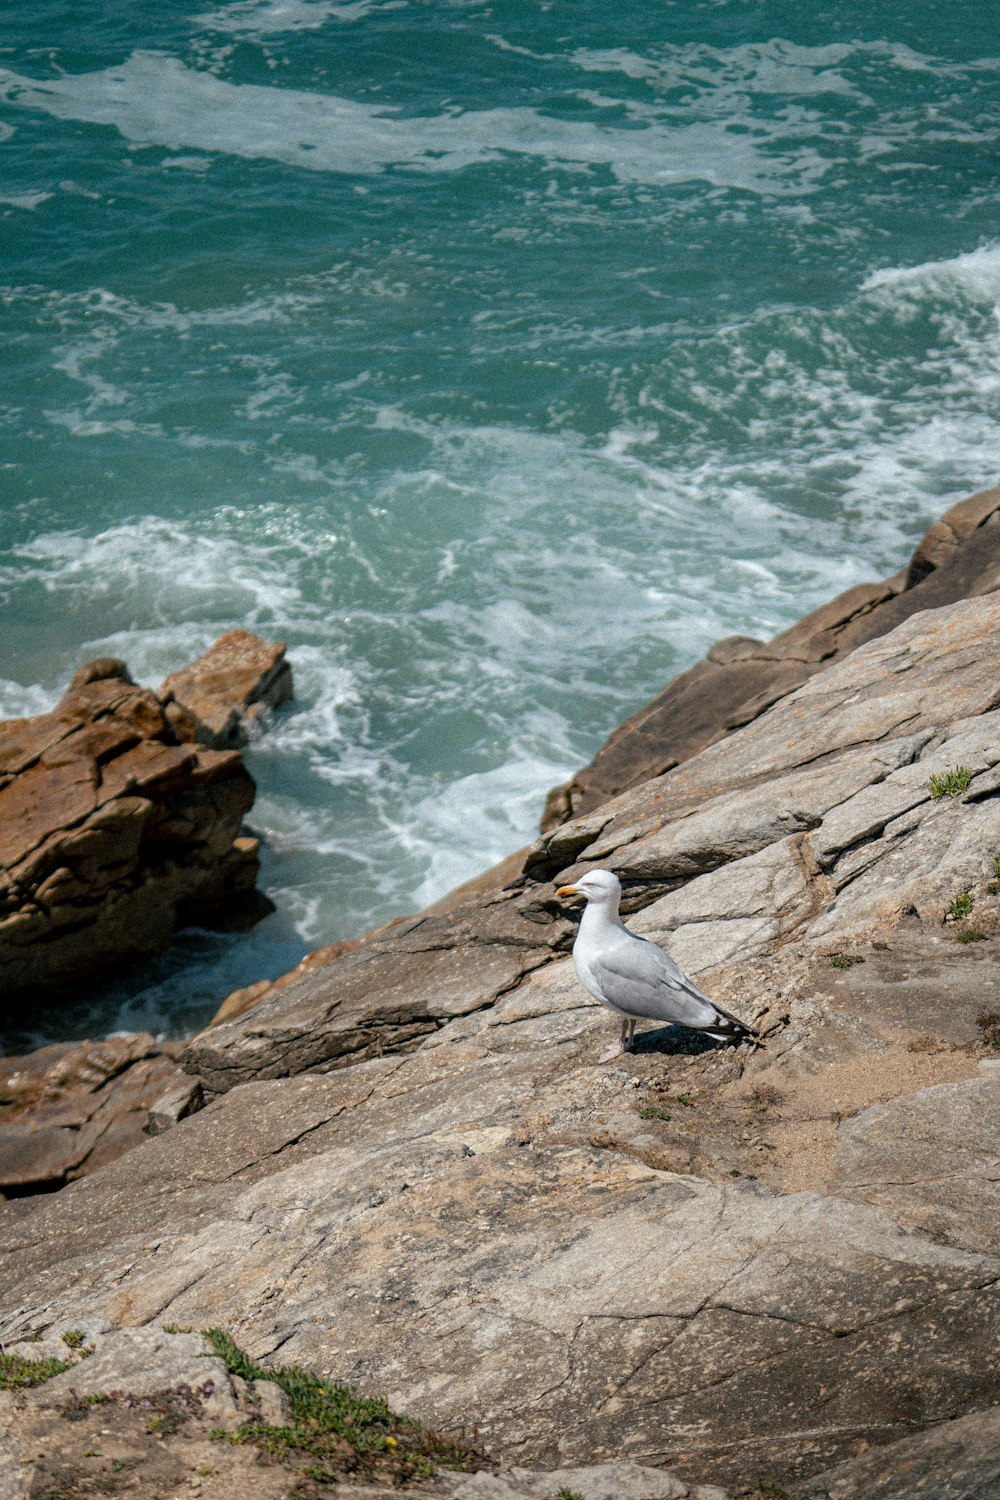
635	977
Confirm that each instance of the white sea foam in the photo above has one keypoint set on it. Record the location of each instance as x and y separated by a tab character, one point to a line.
153	99
264	18
27	201
975	275
22	700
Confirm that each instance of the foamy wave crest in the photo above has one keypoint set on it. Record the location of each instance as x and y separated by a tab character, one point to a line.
473	823
270	17
158	573
22	700
975	275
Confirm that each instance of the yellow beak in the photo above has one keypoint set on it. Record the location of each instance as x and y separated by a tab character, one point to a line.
568	890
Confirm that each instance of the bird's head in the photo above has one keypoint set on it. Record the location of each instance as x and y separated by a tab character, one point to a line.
600	886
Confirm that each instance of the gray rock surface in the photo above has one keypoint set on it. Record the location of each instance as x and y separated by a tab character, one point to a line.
616	1481
142	1361
931	1159
958	1460
685	1260
165	1399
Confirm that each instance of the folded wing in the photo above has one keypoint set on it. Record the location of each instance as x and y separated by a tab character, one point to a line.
638	978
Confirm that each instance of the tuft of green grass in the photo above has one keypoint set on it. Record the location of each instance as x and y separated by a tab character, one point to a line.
970	935
337	1431
950	783
567	1494
653	1112
845	960
961	906
16	1374
73	1337
988	1022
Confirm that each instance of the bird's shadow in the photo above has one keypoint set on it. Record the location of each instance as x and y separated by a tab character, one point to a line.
675	1041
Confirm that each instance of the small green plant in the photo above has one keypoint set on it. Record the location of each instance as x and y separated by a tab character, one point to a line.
845	960
686	1099
653	1112
988	1022
961	906
970	935
950	783
16	1374
565	1494
336	1429
73	1338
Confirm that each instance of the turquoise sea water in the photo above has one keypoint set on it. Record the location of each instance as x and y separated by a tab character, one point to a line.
499	358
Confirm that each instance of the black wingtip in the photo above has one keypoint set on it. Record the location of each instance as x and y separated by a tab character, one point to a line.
732	1030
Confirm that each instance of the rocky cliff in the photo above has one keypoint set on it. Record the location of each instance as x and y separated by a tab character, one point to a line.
773	1265
121	813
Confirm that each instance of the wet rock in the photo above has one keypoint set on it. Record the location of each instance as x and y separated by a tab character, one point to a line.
220	697
741	678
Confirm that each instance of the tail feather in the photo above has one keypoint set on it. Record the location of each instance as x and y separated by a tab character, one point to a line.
729	1028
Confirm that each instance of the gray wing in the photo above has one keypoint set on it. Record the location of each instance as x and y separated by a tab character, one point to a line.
639	978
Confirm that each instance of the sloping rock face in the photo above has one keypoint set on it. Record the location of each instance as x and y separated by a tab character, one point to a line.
115	829
740	678
153	1405
700	1259
67	1109
959	1460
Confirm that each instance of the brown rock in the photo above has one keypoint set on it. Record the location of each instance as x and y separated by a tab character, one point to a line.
112	832
224	692
98	669
67	1109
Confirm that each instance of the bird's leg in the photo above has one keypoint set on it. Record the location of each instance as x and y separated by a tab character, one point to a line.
630	1039
622	1045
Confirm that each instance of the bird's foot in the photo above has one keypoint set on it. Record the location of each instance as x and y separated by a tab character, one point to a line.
618	1050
